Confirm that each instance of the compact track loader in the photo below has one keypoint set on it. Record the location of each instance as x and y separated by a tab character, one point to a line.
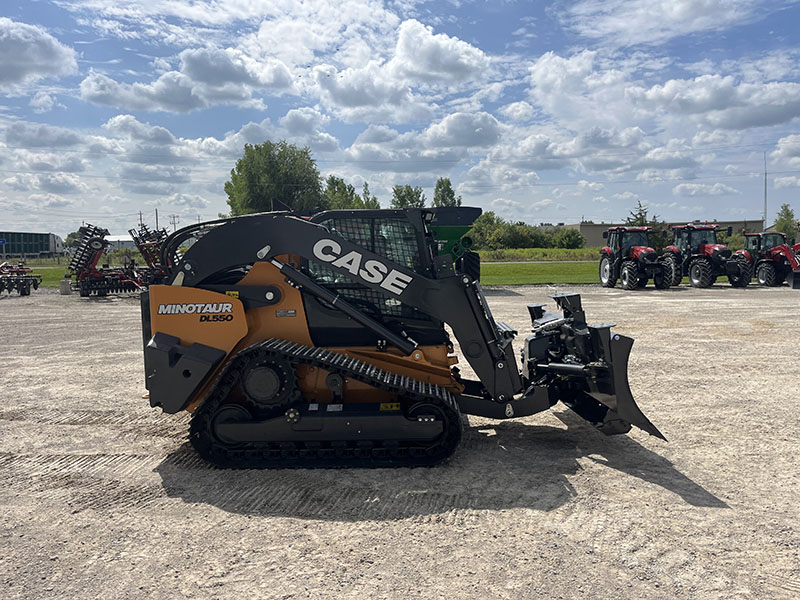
320	342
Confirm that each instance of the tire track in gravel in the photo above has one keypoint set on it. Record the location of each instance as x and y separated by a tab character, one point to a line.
149	424
785	584
84	481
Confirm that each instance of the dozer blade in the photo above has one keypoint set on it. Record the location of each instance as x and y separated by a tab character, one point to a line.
609	403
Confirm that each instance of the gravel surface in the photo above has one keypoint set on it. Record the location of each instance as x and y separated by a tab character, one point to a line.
102	496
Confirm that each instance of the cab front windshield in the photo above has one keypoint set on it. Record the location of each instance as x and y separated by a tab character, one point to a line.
634	238
703	236
773	239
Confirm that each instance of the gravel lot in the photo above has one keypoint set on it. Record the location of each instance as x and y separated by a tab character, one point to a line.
102	497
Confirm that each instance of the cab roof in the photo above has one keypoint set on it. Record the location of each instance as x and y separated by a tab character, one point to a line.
629	228
697	226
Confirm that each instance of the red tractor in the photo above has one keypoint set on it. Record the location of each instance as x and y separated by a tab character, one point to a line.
771	259
629	258
696	253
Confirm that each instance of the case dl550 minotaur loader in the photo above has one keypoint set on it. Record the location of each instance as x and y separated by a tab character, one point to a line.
320	342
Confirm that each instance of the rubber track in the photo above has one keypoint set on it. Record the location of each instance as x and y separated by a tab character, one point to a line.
357	453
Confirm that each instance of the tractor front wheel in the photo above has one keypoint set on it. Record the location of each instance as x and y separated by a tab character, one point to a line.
629	275
661	281
700	274
607	278
742	279
766	274
672	269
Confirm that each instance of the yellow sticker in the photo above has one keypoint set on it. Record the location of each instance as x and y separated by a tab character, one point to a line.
390	406
232	293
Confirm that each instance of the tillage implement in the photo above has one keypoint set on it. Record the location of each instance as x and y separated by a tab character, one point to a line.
19	278
320	342
91	280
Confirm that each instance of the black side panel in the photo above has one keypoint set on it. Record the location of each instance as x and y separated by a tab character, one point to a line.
146	327
173	372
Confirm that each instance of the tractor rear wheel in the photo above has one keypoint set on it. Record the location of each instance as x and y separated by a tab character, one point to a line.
700	275
766	274
660	281
672	269
629	275
607	278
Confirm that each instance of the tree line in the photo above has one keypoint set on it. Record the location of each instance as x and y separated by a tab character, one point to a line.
279	175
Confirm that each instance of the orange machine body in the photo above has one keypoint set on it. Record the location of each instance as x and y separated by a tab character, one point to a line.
222	322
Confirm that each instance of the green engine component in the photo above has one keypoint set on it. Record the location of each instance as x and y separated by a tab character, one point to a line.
450	239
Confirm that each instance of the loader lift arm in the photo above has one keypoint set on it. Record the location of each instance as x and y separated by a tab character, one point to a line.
453	298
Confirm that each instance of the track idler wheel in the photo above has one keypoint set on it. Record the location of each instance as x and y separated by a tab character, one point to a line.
268	385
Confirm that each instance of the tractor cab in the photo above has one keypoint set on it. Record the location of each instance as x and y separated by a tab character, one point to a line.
695	252
758	244
626	241
630	258
771	258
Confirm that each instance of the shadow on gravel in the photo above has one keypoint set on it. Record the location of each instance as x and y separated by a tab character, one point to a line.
500	466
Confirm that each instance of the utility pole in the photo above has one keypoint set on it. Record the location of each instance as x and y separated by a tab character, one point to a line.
156	219
174	220
765	191
141	219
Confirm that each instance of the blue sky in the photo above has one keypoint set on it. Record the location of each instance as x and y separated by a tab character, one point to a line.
542	112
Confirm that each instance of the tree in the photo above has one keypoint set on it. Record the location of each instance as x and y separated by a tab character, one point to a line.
638	216
786	222
72	239
368	199
340	195
569	238
271	174
483	229
660	235
404	196
443	194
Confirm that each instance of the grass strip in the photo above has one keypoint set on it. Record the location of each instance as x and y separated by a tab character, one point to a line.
539	273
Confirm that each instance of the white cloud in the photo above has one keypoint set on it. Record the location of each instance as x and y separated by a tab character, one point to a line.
35	135
595	186
56	183
721	102
703	189
629	22
435	59
43	102
517	111
626	196
28	53
128	126
788	150
207	77
49	161
49	201
463	130
786	182
171	92
187	201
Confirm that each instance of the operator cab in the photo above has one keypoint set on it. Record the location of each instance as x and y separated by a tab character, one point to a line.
756	243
